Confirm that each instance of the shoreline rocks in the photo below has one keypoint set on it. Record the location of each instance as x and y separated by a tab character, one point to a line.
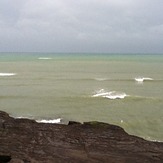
26	141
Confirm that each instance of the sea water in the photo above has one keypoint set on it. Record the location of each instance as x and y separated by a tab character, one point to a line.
120	89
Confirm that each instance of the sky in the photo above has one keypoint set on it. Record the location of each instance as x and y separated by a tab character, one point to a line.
93	26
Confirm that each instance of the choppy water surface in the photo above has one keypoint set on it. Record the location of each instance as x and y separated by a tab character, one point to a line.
124	89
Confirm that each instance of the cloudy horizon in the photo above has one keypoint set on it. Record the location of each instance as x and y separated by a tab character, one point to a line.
105	26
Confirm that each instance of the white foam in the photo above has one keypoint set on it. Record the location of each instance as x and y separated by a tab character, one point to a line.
110	95
58	120
116	95
150	139
46	58
7	74
21	117
142	79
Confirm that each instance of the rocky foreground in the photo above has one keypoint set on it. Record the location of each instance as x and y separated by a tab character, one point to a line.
26	141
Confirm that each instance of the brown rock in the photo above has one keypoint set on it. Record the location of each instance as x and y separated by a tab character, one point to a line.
26	141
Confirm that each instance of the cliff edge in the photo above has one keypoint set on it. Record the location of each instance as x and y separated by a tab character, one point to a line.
26	141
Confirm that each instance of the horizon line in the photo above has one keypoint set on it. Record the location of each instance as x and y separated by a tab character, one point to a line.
87	52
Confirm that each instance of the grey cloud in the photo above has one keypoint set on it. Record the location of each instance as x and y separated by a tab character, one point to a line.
81	26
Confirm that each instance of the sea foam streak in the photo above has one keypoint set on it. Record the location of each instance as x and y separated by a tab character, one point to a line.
142	79
110	95
58	120
7	74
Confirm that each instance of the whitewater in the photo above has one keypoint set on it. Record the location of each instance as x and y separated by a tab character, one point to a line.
121	89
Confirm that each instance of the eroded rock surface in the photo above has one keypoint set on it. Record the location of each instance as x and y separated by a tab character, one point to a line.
26	141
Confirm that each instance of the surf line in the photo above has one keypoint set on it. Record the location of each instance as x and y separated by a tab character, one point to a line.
58	120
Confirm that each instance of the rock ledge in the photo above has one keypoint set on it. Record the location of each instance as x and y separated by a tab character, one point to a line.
26	141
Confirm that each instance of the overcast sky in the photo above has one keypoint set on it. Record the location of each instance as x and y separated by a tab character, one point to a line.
81	26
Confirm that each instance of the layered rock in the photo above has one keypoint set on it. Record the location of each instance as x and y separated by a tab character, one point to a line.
26	141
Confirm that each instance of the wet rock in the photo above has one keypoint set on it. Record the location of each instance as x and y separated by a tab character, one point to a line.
26	141
5	158
73	123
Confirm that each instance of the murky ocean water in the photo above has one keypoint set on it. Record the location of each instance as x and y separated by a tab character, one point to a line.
121	89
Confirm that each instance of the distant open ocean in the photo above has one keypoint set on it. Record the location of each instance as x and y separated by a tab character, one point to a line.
121	89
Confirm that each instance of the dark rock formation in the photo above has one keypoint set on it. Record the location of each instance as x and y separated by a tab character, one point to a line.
26	141
5	158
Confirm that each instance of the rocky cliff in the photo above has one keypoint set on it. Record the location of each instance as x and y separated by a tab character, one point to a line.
26	141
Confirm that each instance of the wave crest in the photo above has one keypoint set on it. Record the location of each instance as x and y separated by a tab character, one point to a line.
110	95
45	58
101	79
142	79
7	74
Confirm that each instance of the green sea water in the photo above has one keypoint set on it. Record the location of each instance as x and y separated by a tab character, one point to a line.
121	89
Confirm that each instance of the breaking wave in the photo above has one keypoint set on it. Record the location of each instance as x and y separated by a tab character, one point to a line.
136	79
58	120
142	79
7	74
110	95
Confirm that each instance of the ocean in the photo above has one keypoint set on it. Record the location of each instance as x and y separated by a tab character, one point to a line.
120	89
